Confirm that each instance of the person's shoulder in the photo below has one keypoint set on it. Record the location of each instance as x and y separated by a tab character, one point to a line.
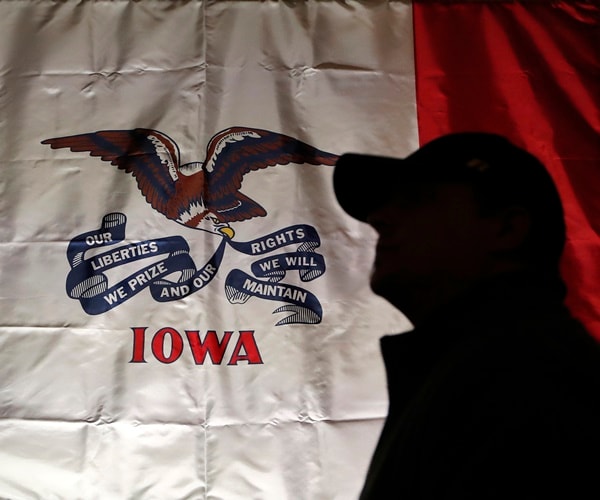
558	339
525	351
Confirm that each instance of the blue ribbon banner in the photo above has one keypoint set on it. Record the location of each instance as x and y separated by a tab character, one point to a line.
88	283
303	305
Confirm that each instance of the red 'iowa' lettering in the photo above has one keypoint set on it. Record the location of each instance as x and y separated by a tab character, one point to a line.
167	346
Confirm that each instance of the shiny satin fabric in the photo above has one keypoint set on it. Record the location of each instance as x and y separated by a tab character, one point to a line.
109	394
527	70
202	392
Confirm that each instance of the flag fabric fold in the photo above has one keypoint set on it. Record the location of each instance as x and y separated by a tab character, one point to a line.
192	324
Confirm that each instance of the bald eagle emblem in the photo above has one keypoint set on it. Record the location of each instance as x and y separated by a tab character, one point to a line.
204	195
201	195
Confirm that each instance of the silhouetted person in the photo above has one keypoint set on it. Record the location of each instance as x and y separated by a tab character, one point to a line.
496	391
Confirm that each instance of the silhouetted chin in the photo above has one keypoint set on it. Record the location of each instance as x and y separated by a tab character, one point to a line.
392	291
415	297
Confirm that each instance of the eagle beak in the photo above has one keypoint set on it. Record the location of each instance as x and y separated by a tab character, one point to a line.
227	231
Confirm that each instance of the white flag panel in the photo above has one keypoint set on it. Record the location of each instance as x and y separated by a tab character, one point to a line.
134	391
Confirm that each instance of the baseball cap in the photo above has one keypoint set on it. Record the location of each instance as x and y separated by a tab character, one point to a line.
501	173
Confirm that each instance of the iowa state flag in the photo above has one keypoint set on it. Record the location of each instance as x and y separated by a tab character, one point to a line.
185	309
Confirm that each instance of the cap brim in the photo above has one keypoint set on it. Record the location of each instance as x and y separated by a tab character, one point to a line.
363	182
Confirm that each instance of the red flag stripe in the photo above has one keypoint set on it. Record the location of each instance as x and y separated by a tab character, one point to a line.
530	71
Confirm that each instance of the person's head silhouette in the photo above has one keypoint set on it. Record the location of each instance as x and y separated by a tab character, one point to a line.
460	209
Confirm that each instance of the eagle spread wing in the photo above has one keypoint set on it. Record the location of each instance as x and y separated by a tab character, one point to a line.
149	155
235	151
